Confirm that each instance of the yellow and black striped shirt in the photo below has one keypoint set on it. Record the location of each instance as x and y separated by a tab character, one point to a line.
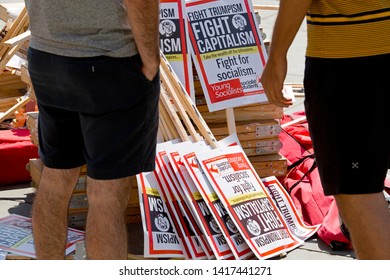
348	28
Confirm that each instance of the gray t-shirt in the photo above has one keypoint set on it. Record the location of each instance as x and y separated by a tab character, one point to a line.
80	28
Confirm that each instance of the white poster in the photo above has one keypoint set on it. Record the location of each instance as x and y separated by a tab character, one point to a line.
193	238
3	255
16	236
245	198
196	203
221	216
160	235
228	51
174	42
288	210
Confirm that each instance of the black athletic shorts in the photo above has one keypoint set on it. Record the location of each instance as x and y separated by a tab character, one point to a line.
100	111
347	108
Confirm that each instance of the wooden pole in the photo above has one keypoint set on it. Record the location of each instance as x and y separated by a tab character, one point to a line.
266	7
298	120
173	115
187	103
231	122
182	112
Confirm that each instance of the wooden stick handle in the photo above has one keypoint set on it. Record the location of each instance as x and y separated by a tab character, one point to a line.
187	102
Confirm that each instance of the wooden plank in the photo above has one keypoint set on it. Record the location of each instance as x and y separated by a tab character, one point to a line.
261	128
167	127
179	107
4	102
18	40
267	158
173	116
261	150
219	116
10	11
3	13
25	75
298	120
256	107
162	135
271	171
16	28
32	125
269	165
6	106
7	57
188	104
266	7
19	26
260	143
12	85
22	102
10	77
231	121
244	136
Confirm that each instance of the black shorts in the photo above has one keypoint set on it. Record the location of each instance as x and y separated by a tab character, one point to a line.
99	111
347	108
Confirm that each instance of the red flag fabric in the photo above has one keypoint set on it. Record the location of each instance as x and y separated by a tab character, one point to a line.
16	150
304	185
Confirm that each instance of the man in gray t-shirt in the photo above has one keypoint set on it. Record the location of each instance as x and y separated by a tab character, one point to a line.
94	66
81	28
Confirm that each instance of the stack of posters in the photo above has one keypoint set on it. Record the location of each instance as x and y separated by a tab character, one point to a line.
205	200
16	236
210	203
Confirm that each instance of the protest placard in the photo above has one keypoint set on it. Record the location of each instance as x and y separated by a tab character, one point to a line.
3	255
168	186
227	50
287	208
161	238
16	236
244	196
196	203
174	42
222	218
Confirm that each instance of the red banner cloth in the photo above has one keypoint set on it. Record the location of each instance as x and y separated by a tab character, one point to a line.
16	149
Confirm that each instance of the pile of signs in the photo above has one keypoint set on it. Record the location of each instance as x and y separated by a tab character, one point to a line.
205	200
16	239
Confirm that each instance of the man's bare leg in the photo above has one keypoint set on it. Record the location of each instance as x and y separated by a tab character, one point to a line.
50	212
367	218
106	230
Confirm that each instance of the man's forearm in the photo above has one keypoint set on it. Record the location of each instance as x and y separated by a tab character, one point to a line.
290	16
144	22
